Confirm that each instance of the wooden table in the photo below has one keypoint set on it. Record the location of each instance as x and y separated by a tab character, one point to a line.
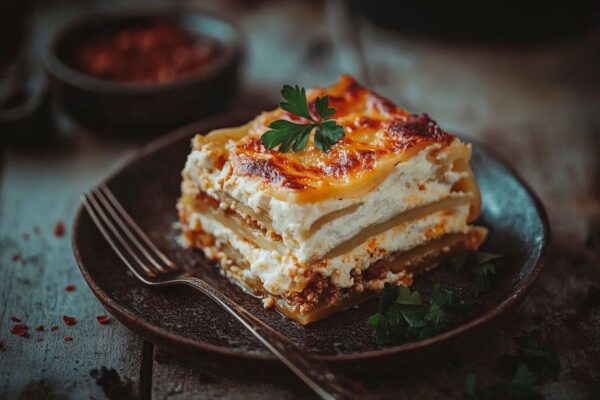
538	106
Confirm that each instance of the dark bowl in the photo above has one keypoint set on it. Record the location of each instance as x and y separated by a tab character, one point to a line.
143	106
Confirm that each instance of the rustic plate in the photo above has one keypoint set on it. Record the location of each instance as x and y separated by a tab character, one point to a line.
183	320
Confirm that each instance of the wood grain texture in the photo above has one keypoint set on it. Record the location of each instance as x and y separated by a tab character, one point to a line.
538	106
38	190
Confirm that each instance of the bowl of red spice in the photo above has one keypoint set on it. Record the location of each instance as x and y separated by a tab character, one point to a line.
144	70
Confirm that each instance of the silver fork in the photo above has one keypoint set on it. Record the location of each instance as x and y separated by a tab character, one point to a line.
154	268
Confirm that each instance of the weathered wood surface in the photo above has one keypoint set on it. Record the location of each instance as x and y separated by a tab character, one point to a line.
537	106
38	190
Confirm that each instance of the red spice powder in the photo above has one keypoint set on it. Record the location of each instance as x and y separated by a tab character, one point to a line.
40	328
15	319
156	53
67	338
59	229
70	321
103	319
54	328
20	330
70	288
16	257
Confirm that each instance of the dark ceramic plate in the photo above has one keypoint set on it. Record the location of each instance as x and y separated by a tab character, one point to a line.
183	320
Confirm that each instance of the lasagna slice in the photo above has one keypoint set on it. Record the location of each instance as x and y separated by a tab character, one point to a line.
313	232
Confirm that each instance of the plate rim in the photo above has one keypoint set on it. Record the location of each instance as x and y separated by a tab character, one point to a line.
153	332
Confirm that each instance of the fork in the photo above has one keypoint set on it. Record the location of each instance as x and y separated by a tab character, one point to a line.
154	268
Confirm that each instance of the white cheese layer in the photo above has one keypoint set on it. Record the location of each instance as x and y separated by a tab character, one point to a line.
281	273
412	183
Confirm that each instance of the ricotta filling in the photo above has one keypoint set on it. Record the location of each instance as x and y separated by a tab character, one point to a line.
414	182
280	273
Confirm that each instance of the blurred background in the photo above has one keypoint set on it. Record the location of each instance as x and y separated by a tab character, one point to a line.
504	72
427	55
521	77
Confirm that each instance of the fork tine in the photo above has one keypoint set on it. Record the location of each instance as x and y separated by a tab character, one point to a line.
102	221
126	227
119	208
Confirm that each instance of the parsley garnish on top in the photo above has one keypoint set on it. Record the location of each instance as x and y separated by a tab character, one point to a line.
287	134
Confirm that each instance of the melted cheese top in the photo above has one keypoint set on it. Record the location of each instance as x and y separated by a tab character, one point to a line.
378	136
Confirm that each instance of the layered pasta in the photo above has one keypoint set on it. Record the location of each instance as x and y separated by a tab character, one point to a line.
314	232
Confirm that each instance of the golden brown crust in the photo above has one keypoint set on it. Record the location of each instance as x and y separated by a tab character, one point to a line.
376	130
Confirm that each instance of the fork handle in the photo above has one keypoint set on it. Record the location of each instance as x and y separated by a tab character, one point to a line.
313	372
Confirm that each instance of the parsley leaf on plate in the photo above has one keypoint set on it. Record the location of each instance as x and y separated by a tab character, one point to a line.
532	365
541	360
404	316
290	135
481	265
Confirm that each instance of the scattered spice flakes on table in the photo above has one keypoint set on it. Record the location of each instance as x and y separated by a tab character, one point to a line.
69	321
2	345
103	319
54	328
68	339
16	257
15	319
20	330
40	340
70	288
59	229
40	328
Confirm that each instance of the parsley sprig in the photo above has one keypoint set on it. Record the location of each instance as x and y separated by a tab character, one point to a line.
481	265
531	365
287	134
404	316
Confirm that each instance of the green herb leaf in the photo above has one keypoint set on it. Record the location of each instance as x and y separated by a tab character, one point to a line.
322	107
414	318
543	361
375	319
388	297
403	315
286	134
407	297
458	262
481	257
483	275
524	377
328	134
481	265
289	135
296	101
531	365
470	385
